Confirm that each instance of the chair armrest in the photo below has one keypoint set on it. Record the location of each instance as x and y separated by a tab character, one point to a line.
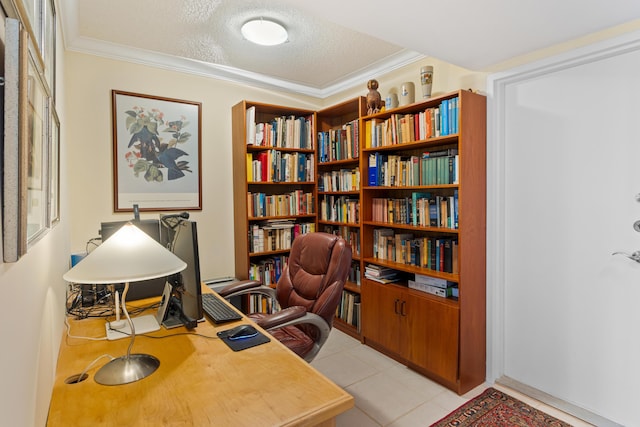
282	317
238	286
296	316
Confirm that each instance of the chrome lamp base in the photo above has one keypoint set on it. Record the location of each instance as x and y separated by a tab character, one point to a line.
127	369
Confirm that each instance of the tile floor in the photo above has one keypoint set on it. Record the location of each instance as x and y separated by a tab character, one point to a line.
389	394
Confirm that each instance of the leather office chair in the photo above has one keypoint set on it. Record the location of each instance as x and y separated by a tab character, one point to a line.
308	293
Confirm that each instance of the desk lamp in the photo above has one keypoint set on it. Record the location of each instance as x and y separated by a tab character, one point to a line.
128	256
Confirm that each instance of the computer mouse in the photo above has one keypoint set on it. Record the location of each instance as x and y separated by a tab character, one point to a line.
241	332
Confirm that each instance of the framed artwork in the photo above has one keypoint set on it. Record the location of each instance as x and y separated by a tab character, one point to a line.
49	44
35	147
156	153
54	168
15	60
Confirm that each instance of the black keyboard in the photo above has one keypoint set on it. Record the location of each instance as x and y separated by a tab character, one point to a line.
217	310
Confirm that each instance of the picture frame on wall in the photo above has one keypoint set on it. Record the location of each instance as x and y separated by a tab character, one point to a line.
35	147
49	44
54	168
13	206
156	153
31	144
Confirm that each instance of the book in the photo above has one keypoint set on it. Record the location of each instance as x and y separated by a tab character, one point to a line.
433	281
373	169
251	125
433	290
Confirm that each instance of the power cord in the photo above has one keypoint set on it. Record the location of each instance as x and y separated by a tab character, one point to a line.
90	365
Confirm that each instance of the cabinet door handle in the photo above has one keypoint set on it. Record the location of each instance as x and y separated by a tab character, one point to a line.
395	306
403	306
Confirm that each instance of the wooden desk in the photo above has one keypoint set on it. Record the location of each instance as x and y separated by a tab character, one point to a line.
200	382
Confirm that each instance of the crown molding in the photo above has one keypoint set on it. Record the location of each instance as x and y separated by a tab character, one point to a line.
184	65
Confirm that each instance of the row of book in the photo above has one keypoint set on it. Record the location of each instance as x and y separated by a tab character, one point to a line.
354	273
268	271
294	203
432	168
403	128
349	309
339	144
434	253
276	166
340	209
283	131
349	234
276	235
420	210
259	303
339	180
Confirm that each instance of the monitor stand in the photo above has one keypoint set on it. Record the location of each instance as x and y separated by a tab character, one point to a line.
170	313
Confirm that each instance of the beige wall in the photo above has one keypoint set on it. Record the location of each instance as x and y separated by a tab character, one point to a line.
88	89
446	78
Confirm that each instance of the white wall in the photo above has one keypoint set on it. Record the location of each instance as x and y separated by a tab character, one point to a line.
31	317
563	161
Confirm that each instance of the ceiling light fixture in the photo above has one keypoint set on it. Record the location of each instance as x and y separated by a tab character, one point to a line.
264	32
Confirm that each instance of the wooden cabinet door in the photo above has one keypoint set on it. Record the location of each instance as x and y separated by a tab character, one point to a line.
382	316
433	343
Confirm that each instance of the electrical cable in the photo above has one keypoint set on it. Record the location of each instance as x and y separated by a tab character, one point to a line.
82	374
66	322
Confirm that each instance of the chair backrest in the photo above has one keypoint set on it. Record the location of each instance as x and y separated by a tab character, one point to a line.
315	274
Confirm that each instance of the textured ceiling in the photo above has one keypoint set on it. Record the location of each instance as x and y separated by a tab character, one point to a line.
319	54
333	44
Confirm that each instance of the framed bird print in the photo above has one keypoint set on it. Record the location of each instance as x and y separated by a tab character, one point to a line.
156	153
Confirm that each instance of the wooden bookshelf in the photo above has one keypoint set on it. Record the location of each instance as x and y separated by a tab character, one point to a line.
274	182
339	186
443	338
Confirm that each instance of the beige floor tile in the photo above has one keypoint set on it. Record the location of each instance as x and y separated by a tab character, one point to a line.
424	415
343	368
388	394
354	417
384	398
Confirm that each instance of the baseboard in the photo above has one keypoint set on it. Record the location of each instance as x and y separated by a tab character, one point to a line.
560	404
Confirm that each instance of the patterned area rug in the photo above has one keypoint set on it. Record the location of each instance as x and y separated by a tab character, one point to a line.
494	408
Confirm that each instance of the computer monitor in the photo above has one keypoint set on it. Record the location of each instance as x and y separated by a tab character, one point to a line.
180	237
145	288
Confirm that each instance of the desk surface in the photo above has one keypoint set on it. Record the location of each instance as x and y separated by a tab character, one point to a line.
200	382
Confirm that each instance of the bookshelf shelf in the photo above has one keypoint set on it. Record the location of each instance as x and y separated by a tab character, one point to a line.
338	223
352	287
344	162
407	268
440	230
339	193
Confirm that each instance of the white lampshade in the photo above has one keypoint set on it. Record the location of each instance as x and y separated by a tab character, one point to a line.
129	255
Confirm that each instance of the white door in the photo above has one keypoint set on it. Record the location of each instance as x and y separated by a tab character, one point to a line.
564	167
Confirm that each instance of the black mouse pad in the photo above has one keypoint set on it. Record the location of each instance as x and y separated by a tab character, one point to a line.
242	344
